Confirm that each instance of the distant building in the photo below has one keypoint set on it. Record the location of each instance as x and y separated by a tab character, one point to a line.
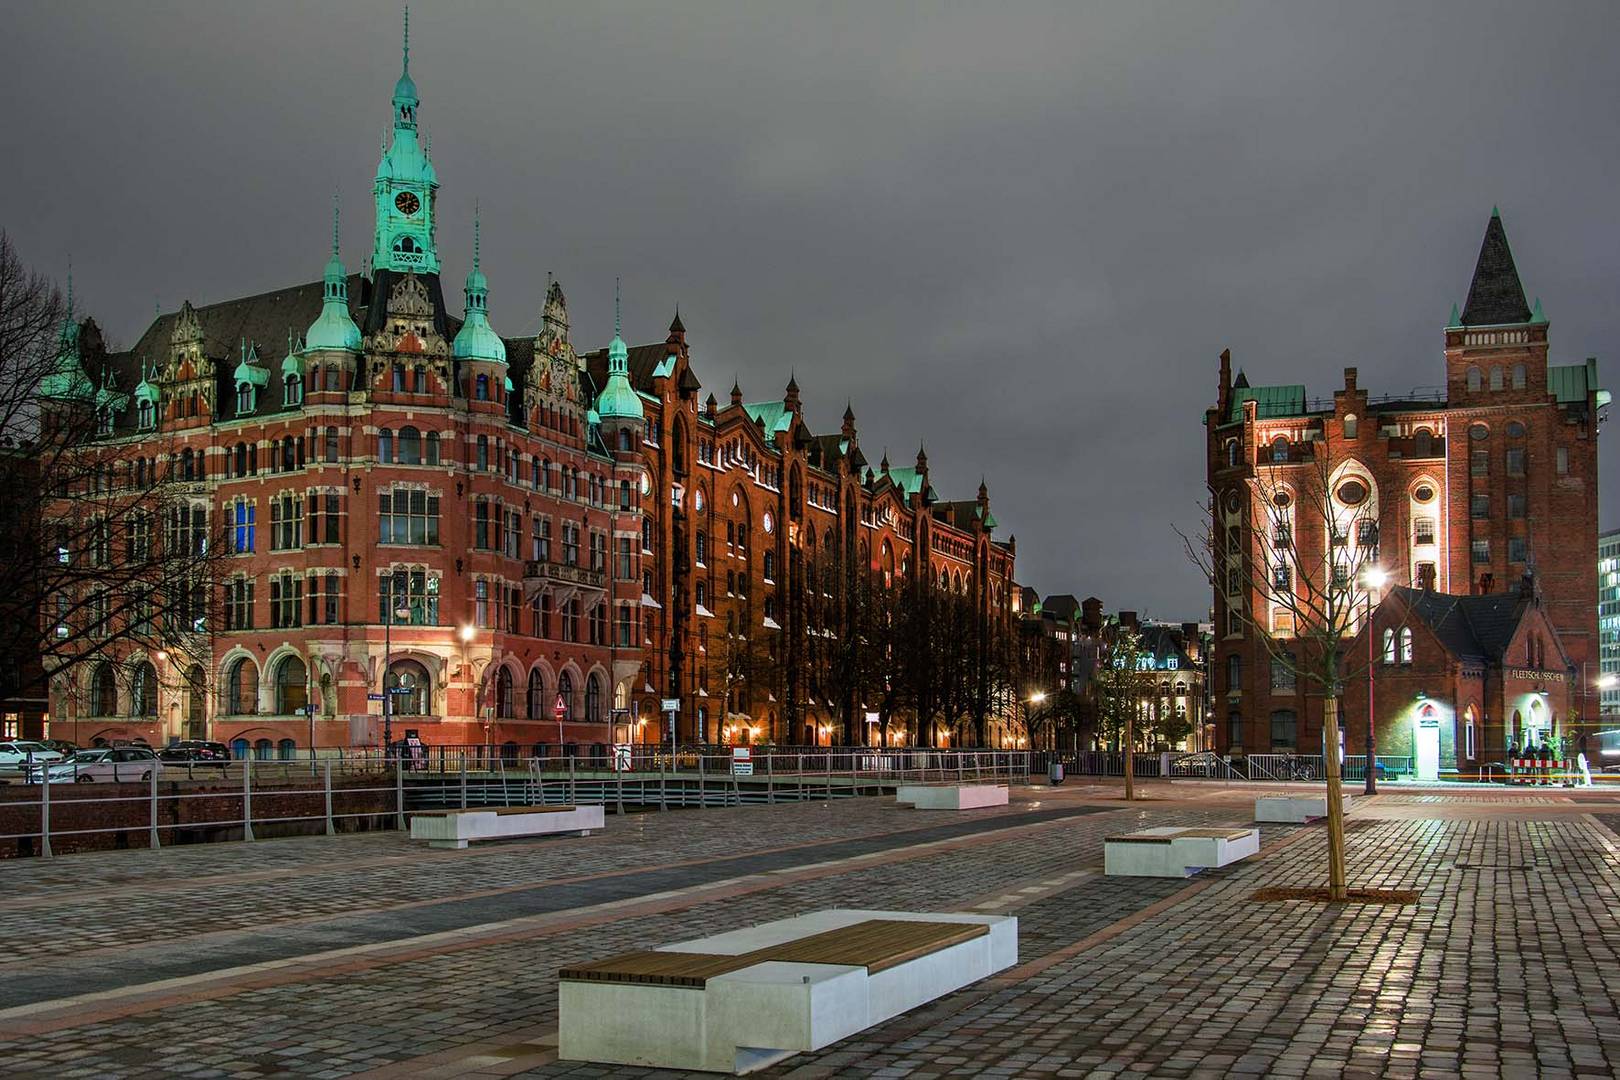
1609	622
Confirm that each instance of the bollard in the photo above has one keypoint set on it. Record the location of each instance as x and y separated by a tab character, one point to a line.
703	797
399	792
153	842
45	813
326	769
464	781
247	798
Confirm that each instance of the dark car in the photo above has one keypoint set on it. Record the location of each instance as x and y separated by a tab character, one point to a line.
62	746
196	752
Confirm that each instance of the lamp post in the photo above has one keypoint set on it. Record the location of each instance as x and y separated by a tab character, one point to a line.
1371	578
395	610
1034	699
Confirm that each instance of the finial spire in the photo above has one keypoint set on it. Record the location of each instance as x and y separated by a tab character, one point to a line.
334	224
616	282
407	66
475	234
70	287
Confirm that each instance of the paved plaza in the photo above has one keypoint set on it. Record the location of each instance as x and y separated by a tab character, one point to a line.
365	956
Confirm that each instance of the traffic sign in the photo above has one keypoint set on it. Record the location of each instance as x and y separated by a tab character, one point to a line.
621	757
742	761
375	697
669	704
561	709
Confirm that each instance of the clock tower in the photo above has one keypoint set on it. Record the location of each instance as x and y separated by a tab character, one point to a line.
406	187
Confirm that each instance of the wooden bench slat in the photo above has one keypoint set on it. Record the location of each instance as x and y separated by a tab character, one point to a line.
876	944
494	810
1215	834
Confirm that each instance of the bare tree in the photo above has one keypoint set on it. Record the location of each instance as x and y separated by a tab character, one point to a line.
110	546
1123	685
1293	547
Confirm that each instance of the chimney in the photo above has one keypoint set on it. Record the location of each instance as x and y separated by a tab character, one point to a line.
1350	380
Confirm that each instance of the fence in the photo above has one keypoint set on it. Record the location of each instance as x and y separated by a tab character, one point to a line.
206	800
1207	765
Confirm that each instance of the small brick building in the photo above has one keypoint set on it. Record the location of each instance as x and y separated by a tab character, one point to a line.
1456	679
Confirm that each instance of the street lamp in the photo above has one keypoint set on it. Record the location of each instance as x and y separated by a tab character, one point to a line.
396	611
1371	578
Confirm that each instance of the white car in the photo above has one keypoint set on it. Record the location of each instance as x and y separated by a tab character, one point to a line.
114	764
16	755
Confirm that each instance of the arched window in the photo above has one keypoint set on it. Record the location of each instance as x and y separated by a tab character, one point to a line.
1476	379
770	566
1350	425
331	448
410	446
240	457
411	688
701	547
385	445
1406	644
1515	430
292	390
1496	377
593	699
503	693
146	414
263	749
103	691
1423	442
1518	376
1233	451
565	690
483	452
242	688
419	383
292	686
1389	646
887	557
1279	449
244	398
286	749
537	695
143	690
481	385
432	455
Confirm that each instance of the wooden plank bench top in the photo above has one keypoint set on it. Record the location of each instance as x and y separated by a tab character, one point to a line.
876	945
494	810
1180	834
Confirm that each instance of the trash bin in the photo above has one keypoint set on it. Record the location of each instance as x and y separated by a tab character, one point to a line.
1054	774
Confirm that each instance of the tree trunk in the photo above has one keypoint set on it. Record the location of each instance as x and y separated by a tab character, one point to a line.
1335	797
1130	758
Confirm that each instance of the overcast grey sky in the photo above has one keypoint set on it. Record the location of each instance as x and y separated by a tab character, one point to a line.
1021	233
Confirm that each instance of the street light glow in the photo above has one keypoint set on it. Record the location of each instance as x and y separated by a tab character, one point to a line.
467	632
1374	577
1608	681
1037	697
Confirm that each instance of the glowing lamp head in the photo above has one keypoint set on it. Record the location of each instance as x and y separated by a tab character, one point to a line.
1038	696
1374	577
467	633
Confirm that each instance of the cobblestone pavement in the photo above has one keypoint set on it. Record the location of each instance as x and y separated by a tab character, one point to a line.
1506	966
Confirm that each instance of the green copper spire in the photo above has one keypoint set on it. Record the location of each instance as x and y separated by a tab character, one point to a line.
1536	314
334	328
67	380
618	399
476	339
406	186
1456	317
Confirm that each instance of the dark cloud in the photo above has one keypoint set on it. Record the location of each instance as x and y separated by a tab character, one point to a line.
1021	233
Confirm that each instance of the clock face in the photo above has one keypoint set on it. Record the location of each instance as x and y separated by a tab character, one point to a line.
407	203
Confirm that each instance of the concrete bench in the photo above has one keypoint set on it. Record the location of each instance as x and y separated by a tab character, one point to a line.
1293	809
1176	852
951	796
745	999
454	828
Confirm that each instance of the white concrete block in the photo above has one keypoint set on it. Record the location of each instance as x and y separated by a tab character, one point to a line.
759	1015
1169	851
455	828
951	796
1293	809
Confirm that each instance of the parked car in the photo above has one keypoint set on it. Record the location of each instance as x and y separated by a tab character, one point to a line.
113	764
196	752
19	753
62	746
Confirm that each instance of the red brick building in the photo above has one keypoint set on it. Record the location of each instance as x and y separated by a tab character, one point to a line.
1458	679
497	527
1462	491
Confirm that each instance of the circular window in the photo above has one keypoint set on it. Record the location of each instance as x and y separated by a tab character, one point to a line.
734	498
769	522
1423	493
646	483
1515	430
1232	502
1281	500
1478	432
697	499
1352	493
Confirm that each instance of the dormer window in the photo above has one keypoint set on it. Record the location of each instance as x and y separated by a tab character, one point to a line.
104	421
293	390
145	415
244	398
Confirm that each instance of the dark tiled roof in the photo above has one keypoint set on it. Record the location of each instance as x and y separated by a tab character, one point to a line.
1477	626
1496	295
644	359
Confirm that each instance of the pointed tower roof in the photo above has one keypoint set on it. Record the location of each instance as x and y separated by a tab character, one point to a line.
477	340
67	378
675	324
618	399
334	327
1496	296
